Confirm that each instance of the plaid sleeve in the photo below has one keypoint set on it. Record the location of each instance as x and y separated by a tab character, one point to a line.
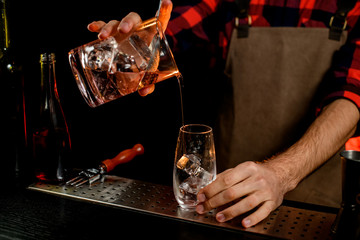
202	24
344	80
189	16
195	21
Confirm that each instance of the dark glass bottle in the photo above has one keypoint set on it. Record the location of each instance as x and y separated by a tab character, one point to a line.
51	139
12	104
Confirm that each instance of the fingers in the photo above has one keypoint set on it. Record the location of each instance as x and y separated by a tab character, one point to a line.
245	205
96	26
146	90
260	214
129	23
246	187
119	29
227	180
105	30
228	195
227	187
110	29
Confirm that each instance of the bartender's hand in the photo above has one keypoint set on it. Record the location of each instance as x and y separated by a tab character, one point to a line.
261	187
250	186
127	25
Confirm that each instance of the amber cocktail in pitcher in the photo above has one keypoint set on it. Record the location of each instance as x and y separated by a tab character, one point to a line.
106	70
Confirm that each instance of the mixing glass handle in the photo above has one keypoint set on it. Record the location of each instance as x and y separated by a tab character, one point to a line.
123	157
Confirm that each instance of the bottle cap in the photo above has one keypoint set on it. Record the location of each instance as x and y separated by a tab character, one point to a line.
47	57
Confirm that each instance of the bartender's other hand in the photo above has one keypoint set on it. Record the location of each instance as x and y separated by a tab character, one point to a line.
122	29
115	28
248	186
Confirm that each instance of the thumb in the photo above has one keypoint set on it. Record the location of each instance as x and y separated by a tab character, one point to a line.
146	90
164	12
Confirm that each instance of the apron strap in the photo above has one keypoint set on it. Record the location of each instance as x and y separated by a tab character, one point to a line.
338	22
243	19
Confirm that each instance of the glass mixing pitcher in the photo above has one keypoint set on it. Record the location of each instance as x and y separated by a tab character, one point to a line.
108	69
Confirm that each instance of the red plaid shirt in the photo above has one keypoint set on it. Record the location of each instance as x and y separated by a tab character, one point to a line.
212	21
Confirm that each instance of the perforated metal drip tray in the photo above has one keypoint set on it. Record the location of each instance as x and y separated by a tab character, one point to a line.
285	222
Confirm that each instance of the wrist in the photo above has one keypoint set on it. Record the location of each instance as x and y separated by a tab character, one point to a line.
282	165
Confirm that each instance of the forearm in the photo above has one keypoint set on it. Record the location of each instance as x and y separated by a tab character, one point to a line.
328	133
264	185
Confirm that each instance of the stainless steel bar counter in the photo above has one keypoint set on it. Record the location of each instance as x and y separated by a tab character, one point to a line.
118	206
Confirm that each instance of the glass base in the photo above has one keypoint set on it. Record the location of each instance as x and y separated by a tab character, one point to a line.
188	206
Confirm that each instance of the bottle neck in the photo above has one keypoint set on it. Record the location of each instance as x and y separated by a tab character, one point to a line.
48	79
50	108
52	118
4	30
47	83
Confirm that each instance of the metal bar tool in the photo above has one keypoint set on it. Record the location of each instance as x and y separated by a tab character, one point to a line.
93	174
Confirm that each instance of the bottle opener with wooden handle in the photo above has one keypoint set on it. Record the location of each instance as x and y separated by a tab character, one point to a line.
93	174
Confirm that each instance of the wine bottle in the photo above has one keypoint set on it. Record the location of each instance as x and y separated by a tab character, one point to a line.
51	138
14	145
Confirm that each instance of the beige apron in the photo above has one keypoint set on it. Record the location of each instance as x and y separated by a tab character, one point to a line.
275	73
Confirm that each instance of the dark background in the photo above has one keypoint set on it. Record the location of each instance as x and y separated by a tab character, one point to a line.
100	133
